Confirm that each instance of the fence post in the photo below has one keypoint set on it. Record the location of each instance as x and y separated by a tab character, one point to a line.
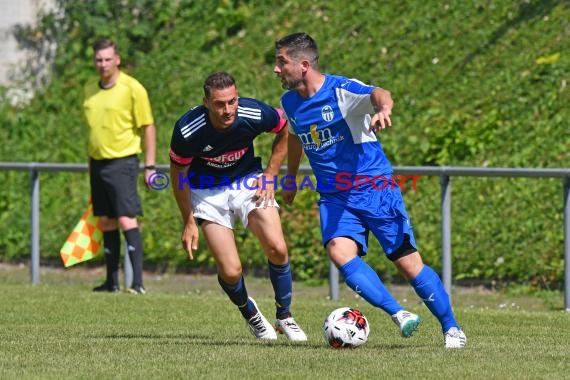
128	267
35	225
566	197
333	281
446	232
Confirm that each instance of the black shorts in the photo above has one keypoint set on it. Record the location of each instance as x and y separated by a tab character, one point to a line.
114	187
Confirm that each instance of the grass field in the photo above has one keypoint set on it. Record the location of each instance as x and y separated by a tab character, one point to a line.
186	328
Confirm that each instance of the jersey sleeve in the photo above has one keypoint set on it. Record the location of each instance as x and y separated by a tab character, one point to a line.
265	117
286	117
179	153
354	97
142	110
282	121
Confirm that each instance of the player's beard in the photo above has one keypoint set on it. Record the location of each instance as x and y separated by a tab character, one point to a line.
290	84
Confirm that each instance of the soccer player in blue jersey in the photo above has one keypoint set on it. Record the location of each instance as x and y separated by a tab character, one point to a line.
215	177
333	120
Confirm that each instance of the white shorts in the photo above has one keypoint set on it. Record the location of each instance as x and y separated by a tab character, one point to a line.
223	205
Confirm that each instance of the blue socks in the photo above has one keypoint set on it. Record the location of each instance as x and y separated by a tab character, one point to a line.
429	287
238	295
282	282
361	278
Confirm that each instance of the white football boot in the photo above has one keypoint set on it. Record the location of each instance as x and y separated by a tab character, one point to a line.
407	322
291	329
260	326
454	338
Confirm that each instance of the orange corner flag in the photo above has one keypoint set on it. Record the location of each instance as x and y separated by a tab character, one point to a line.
85	241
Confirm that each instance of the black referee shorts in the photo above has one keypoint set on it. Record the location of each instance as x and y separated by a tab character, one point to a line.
114	187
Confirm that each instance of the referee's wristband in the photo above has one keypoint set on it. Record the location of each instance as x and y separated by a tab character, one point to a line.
150	167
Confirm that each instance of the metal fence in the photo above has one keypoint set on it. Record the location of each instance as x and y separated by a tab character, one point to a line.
443	172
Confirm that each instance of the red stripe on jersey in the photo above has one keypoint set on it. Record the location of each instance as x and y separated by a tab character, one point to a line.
182	161
282	121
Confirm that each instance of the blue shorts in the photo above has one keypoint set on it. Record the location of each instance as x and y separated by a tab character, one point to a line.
355	214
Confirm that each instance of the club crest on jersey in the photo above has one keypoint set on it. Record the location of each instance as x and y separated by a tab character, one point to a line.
327	113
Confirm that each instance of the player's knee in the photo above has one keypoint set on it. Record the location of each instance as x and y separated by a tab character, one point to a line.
410	266
127	223
277	253
405	249
230	275
109	224
342	249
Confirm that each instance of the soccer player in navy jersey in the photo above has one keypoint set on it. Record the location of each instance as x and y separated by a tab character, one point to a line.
217	179
333	120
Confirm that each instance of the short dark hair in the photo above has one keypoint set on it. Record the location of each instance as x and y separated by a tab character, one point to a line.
218	81
300	45
104	43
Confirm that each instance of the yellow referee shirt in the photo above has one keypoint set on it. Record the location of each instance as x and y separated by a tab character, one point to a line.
115	116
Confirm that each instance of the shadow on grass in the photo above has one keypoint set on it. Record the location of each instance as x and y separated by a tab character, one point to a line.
203	339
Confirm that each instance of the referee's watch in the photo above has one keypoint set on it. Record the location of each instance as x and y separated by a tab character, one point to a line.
150	167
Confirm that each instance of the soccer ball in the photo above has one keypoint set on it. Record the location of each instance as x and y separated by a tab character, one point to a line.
346	328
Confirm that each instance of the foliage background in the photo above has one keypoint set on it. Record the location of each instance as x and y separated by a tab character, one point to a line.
480	83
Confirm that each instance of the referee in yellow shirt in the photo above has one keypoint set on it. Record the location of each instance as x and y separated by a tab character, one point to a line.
117	109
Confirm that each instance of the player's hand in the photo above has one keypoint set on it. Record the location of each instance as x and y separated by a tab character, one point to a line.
148	175
289	189
190	238
289	195
381	119
265	193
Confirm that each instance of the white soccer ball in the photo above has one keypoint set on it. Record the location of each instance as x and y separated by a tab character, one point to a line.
346	328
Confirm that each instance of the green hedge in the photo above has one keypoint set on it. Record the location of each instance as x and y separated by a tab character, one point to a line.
480	83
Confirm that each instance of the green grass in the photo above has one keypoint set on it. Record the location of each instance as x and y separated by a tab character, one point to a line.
186	328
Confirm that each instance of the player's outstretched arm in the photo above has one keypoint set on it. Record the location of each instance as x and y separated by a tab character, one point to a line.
265	192
183	197
149	151
294	155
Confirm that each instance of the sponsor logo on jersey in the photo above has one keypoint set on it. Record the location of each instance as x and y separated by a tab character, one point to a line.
227	159
315	135
318	138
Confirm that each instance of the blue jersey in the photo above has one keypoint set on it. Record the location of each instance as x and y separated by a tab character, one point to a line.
333	126
222	156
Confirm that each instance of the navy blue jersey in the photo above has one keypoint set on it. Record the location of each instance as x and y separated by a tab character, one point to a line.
222	156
